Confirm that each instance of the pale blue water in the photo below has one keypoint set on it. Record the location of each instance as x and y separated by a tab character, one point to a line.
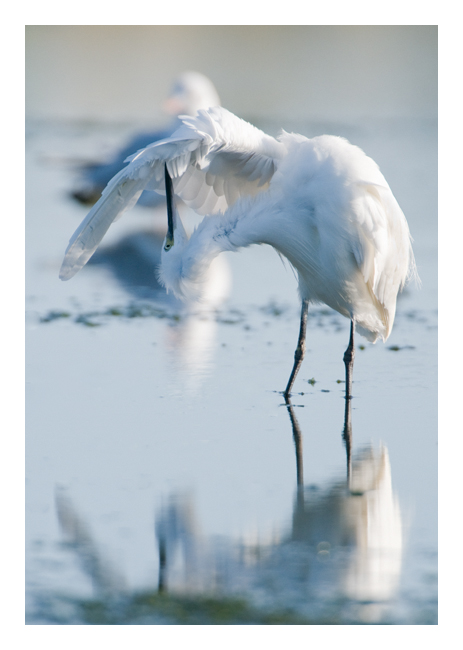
150	429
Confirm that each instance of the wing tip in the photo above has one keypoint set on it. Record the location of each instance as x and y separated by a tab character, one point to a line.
67	272
72	264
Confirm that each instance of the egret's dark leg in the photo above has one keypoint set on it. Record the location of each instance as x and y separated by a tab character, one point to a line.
300	350
349	355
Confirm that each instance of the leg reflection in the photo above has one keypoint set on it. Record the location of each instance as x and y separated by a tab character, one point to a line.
347	437
297	436
162	582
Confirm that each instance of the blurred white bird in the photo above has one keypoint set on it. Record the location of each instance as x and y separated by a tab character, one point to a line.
190	92
320	202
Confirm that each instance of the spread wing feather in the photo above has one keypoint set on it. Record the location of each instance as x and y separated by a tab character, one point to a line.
213	159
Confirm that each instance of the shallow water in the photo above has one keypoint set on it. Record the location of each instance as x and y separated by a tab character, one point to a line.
166	481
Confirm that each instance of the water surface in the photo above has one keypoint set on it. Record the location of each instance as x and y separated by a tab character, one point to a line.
166	480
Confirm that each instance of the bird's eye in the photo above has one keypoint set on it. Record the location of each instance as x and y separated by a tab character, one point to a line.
168	245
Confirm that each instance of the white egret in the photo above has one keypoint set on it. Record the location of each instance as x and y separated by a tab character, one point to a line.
321	203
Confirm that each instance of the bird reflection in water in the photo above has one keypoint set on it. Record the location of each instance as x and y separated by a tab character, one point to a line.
105	577
360	515
345	542
342	554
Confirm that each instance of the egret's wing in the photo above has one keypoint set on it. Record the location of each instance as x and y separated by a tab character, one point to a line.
213	159
121	193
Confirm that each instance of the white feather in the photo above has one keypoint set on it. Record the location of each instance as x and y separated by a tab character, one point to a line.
120	195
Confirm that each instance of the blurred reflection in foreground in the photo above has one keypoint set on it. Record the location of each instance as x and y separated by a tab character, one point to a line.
362	515
343	547
340	561
133	262
105	577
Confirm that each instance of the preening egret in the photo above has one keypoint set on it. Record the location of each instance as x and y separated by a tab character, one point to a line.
190	92
321	203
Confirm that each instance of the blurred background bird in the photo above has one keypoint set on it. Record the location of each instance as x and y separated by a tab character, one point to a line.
190	91
133	258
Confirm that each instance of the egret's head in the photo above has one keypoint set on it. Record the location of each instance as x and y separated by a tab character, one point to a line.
185	263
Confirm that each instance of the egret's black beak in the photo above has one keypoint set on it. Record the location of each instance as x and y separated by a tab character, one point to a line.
170	210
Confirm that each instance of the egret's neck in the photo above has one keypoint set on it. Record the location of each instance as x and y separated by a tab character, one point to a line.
184	267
